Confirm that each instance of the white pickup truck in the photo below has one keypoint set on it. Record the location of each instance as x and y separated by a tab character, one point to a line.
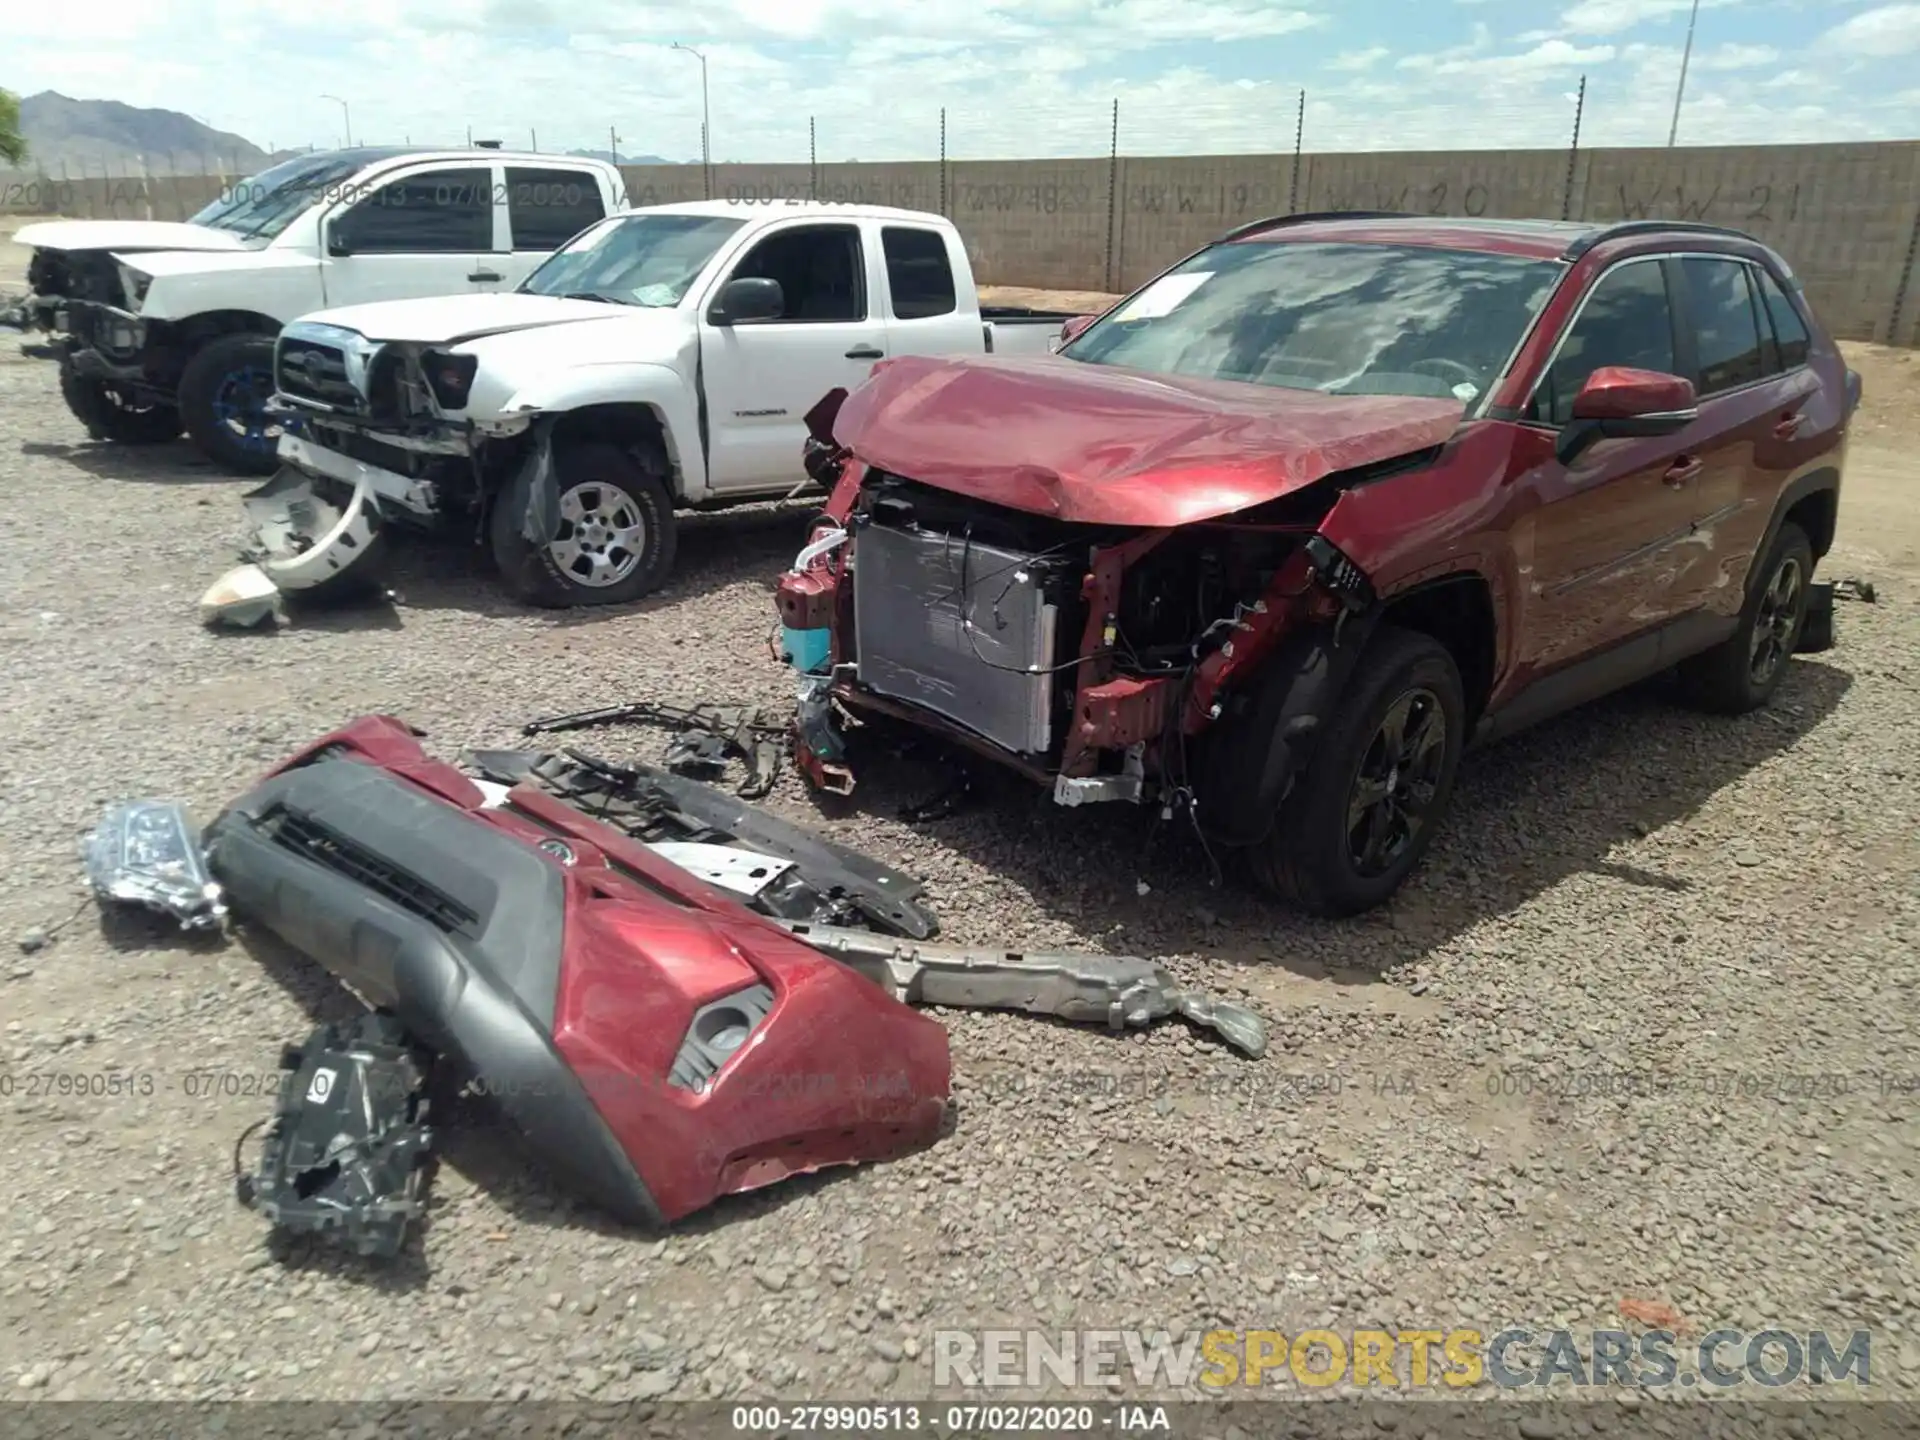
663	360
172	324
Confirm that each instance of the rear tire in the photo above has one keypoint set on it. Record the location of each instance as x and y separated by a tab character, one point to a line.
1357	822
109	413
616	537
223	392
1742	672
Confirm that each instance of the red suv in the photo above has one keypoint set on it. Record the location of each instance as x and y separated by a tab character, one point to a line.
1273	539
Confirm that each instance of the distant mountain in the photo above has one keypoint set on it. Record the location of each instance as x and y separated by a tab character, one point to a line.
86	135
627	159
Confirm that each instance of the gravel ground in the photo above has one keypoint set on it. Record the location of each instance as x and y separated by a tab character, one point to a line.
1634	890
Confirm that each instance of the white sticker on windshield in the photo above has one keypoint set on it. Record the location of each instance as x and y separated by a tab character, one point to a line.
1163	296
1466	392
654	295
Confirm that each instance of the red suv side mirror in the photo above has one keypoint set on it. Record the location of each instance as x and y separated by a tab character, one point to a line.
1618	400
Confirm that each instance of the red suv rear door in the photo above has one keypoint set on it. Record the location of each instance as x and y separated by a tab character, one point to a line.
1754	425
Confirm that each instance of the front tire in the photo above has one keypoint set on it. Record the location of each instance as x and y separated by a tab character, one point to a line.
1742	672
1358	821
109	413
614	540
223	396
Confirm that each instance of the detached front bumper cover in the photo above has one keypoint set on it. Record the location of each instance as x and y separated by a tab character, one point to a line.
305	540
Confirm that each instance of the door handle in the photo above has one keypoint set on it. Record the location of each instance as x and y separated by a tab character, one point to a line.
866	352
479	275
1684	471
1789	426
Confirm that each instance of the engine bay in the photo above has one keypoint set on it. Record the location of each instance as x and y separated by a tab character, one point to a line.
1024	632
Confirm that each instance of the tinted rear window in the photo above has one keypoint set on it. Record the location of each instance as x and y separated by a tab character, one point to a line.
547	208
1725	327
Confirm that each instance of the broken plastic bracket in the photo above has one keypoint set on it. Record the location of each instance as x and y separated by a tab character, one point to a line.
346	1154
145	852
817	746
1120	991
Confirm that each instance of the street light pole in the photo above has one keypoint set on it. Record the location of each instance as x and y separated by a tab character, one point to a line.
706	120
1686	57
346	117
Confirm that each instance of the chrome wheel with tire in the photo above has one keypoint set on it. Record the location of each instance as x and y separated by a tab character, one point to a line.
606	535
602	535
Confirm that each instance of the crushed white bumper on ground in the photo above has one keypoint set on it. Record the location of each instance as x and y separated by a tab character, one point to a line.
308	532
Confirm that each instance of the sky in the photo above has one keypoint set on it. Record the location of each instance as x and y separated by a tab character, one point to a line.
1016	77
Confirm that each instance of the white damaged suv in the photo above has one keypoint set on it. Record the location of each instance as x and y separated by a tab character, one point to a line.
663	360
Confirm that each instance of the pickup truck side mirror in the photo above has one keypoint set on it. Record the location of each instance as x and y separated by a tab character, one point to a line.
334	233
749	298
1618	400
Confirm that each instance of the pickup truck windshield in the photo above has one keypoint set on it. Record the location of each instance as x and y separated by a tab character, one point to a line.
649	260
1352	319
261	207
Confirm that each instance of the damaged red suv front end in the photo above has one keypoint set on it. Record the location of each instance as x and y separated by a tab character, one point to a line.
1072	569
1268	542
1086	617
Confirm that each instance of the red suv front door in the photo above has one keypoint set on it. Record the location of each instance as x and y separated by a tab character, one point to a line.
1599	551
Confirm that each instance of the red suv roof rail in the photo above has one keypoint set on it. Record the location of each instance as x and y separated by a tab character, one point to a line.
1306	217
1582	244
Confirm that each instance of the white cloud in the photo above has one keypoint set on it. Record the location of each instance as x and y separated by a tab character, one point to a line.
1876	34
1542	59
1361	59
1610	17
1737	57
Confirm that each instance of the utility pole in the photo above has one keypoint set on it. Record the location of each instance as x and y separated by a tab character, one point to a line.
346	117
706	118
1299	139
1573	151
1686	57
613	145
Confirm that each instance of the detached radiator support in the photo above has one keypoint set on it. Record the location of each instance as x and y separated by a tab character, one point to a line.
1120	991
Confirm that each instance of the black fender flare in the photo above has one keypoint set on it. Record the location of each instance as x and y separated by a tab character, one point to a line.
1827	477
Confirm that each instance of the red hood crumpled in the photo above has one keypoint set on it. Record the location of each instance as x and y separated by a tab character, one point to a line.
1100	445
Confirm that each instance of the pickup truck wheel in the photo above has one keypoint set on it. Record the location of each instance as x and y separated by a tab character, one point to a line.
1742	672
614	541
223	395
109	413
1358	821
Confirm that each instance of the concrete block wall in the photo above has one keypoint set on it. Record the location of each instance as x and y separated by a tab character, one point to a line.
1846	216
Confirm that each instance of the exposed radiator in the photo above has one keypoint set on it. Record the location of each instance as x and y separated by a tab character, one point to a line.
913	593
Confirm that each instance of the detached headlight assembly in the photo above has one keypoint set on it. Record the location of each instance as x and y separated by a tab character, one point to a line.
145	852
450	377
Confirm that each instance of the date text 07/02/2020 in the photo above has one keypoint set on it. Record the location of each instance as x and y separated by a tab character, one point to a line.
959	1418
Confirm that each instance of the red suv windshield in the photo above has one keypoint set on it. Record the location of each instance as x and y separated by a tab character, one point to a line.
1347	319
